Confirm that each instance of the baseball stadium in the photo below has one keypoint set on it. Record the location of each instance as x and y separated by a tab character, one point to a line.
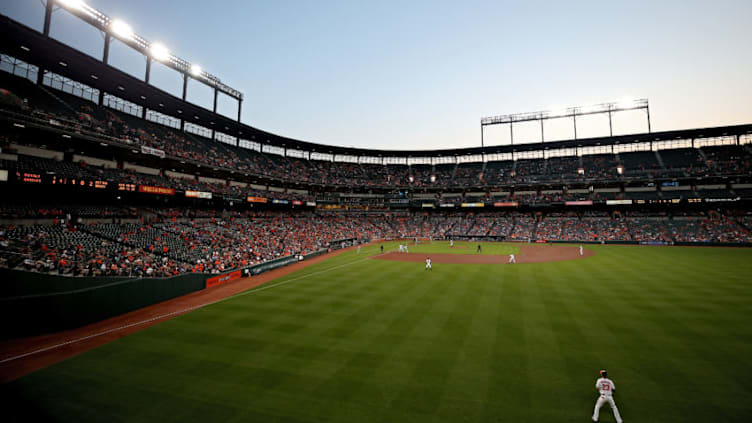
163	260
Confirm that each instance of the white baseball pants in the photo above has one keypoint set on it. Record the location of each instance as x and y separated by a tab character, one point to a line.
602	400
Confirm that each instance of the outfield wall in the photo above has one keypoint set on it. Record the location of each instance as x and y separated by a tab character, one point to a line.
35	303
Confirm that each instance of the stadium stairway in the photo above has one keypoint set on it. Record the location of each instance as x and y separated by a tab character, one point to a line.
131	244
660	160
702	154
59	100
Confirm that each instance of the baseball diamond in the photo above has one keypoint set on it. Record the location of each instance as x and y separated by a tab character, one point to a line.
527	254
162	258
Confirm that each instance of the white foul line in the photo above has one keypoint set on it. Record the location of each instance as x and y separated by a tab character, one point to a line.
250	291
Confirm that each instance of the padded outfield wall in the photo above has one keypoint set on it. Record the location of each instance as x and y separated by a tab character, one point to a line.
36	303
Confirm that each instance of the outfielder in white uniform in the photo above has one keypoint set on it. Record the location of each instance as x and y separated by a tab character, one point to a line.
512	259
401	248
406	249
451	243
358	249
606	388
428	264
581	250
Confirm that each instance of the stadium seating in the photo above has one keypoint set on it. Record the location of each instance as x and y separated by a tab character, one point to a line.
69	110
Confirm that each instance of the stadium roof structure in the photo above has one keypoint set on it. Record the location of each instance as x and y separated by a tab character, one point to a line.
48	54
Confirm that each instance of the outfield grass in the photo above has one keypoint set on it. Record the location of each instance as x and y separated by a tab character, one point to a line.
359	340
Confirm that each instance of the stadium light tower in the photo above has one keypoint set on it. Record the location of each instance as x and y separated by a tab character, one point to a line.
195	70
121	29
569	112
72	4
159	52
156	51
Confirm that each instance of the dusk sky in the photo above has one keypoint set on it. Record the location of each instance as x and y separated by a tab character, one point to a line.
421	74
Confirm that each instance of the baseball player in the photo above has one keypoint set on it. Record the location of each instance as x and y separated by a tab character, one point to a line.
382	249
512	259
401	248
358	249
581	253
606	388
428	264
451	243
406	249
478	249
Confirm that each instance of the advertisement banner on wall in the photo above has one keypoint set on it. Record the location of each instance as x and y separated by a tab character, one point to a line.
472	205
722	200
156	190
199	194
310	203
506	204
270	265
153	151
579	203
618	202
219	280
257	200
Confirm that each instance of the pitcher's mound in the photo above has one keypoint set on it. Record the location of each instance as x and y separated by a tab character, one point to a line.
528	254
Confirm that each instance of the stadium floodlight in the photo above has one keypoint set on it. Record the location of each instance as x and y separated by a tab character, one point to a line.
72	4
626	103
568	113
121	29
195	70
557	111
588	109
159	52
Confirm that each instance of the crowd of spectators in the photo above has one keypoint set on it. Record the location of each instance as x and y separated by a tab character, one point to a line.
65	250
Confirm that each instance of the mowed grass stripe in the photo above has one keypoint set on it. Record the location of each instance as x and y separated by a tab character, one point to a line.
353	339
447	318
547	374
475	355
509	392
